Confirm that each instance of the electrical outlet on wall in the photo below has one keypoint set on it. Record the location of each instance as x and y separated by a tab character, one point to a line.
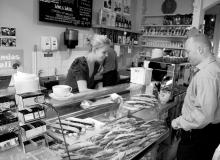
45	43
49	43
54	43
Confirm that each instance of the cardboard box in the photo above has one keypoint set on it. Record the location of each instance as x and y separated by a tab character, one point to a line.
141	75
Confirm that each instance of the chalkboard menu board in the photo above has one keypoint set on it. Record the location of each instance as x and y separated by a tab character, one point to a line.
70	12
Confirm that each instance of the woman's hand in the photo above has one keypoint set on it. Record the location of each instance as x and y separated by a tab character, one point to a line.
82	86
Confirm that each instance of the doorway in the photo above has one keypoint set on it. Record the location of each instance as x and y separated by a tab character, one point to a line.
212	25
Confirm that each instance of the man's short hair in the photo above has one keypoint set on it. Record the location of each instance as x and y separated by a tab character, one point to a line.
202	40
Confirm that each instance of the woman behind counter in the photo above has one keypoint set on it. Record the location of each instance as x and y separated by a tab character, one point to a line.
81	72
110	76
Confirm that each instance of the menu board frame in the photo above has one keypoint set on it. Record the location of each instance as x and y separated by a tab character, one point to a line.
68	12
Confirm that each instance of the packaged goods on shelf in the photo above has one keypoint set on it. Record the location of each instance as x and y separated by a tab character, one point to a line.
29	99
35	112
8	140
6	105
34	144
8	117
33	129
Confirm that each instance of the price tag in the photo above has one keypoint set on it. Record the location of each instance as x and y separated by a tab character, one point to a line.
129	50
117	50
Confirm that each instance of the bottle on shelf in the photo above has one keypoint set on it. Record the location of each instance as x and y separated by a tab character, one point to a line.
119	21
116	21
124	38
129	24
135	40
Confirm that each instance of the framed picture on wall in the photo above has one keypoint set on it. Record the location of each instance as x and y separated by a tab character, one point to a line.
118	5
8	42
127	6
6	31
108	4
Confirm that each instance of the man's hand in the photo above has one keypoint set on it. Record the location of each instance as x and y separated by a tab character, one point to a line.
175	124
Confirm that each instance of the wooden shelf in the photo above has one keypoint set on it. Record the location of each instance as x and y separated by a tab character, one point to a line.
116	28
145	25
163	47
162	15
164	36
127	45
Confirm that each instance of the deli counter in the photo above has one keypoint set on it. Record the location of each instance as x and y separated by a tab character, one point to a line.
128	127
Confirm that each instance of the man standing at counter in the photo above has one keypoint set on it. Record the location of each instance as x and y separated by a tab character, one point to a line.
200	119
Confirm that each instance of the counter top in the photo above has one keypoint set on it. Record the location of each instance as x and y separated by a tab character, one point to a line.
93	94
10	91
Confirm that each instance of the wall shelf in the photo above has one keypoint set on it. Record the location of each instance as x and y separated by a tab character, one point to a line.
162	15
164	36
116	28
145	25
128	45
180	48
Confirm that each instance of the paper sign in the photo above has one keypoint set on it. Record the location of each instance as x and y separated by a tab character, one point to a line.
9	57
129	50
117	50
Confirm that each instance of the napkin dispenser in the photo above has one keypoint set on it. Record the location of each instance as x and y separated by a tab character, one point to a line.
71	38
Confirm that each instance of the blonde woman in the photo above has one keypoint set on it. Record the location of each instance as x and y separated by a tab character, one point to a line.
81	72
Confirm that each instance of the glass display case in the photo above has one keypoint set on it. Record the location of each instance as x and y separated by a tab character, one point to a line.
129	127
125	130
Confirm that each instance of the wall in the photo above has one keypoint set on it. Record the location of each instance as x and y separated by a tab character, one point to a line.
216	38
152	8
183	7
209	3
24	17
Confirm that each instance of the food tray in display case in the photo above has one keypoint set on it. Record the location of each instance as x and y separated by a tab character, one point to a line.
128	137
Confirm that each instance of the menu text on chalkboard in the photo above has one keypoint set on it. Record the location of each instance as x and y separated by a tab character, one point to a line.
70	12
